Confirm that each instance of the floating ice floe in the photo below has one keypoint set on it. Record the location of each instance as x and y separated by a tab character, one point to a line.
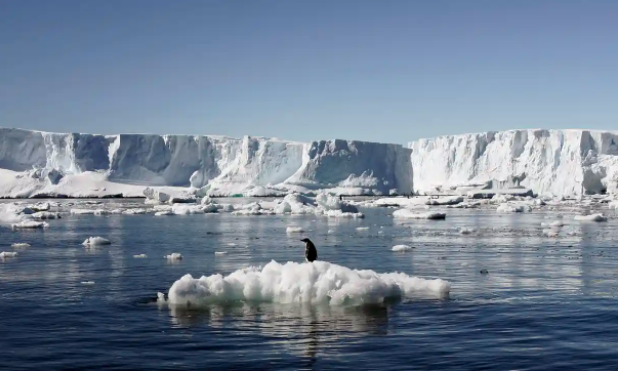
293	229
96	241
20	245
407	213
139	256
134	211
401	248
29	224
87	282
591	218
220	252
7	254
164	213
45	215
173	256
362	229
551	232
512	208
294	283
443	201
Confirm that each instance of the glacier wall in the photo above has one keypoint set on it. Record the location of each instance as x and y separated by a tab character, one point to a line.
552	162
225	165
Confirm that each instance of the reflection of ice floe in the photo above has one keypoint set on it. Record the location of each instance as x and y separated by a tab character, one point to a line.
317	282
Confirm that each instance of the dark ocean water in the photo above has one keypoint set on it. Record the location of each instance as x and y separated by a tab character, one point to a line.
546	304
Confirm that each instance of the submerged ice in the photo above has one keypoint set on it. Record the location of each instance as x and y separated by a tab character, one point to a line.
317	282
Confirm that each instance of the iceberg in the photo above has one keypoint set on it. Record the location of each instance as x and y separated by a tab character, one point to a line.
553	162
43	164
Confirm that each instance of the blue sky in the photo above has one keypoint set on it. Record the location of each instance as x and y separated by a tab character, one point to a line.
389	71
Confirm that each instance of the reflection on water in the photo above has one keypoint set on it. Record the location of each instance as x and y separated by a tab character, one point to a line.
301	329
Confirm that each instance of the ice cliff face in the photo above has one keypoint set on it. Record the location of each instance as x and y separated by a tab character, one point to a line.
225	165
557	162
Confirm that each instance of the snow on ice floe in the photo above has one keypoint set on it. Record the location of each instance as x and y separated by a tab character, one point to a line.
173	256
294	283
591	218
7	254
293	229
96	241
20	245
407	213
401	248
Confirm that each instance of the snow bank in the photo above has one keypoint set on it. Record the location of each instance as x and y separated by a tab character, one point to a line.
317	282
96	241
407	213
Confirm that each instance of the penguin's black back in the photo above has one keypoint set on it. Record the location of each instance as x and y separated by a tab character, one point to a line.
311	253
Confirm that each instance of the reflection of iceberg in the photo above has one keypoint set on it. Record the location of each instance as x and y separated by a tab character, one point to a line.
317	283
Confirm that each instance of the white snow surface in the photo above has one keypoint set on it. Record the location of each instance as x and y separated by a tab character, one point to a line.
556	162
314	283
89	165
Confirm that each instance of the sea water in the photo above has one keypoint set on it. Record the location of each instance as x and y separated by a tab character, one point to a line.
518	299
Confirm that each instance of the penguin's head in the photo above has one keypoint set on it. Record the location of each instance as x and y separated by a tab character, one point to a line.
305	240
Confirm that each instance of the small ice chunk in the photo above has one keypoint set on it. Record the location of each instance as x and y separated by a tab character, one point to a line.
96	241
87	282
140	256
164	213
161	298
464	230
173	256
20	245
220	252
557	224
591	218
293	229
7	254
551	232
362	229
402	248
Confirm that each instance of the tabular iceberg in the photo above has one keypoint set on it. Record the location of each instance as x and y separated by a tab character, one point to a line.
552	162
39	164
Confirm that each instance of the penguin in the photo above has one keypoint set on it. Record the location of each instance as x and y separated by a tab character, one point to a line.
311	253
